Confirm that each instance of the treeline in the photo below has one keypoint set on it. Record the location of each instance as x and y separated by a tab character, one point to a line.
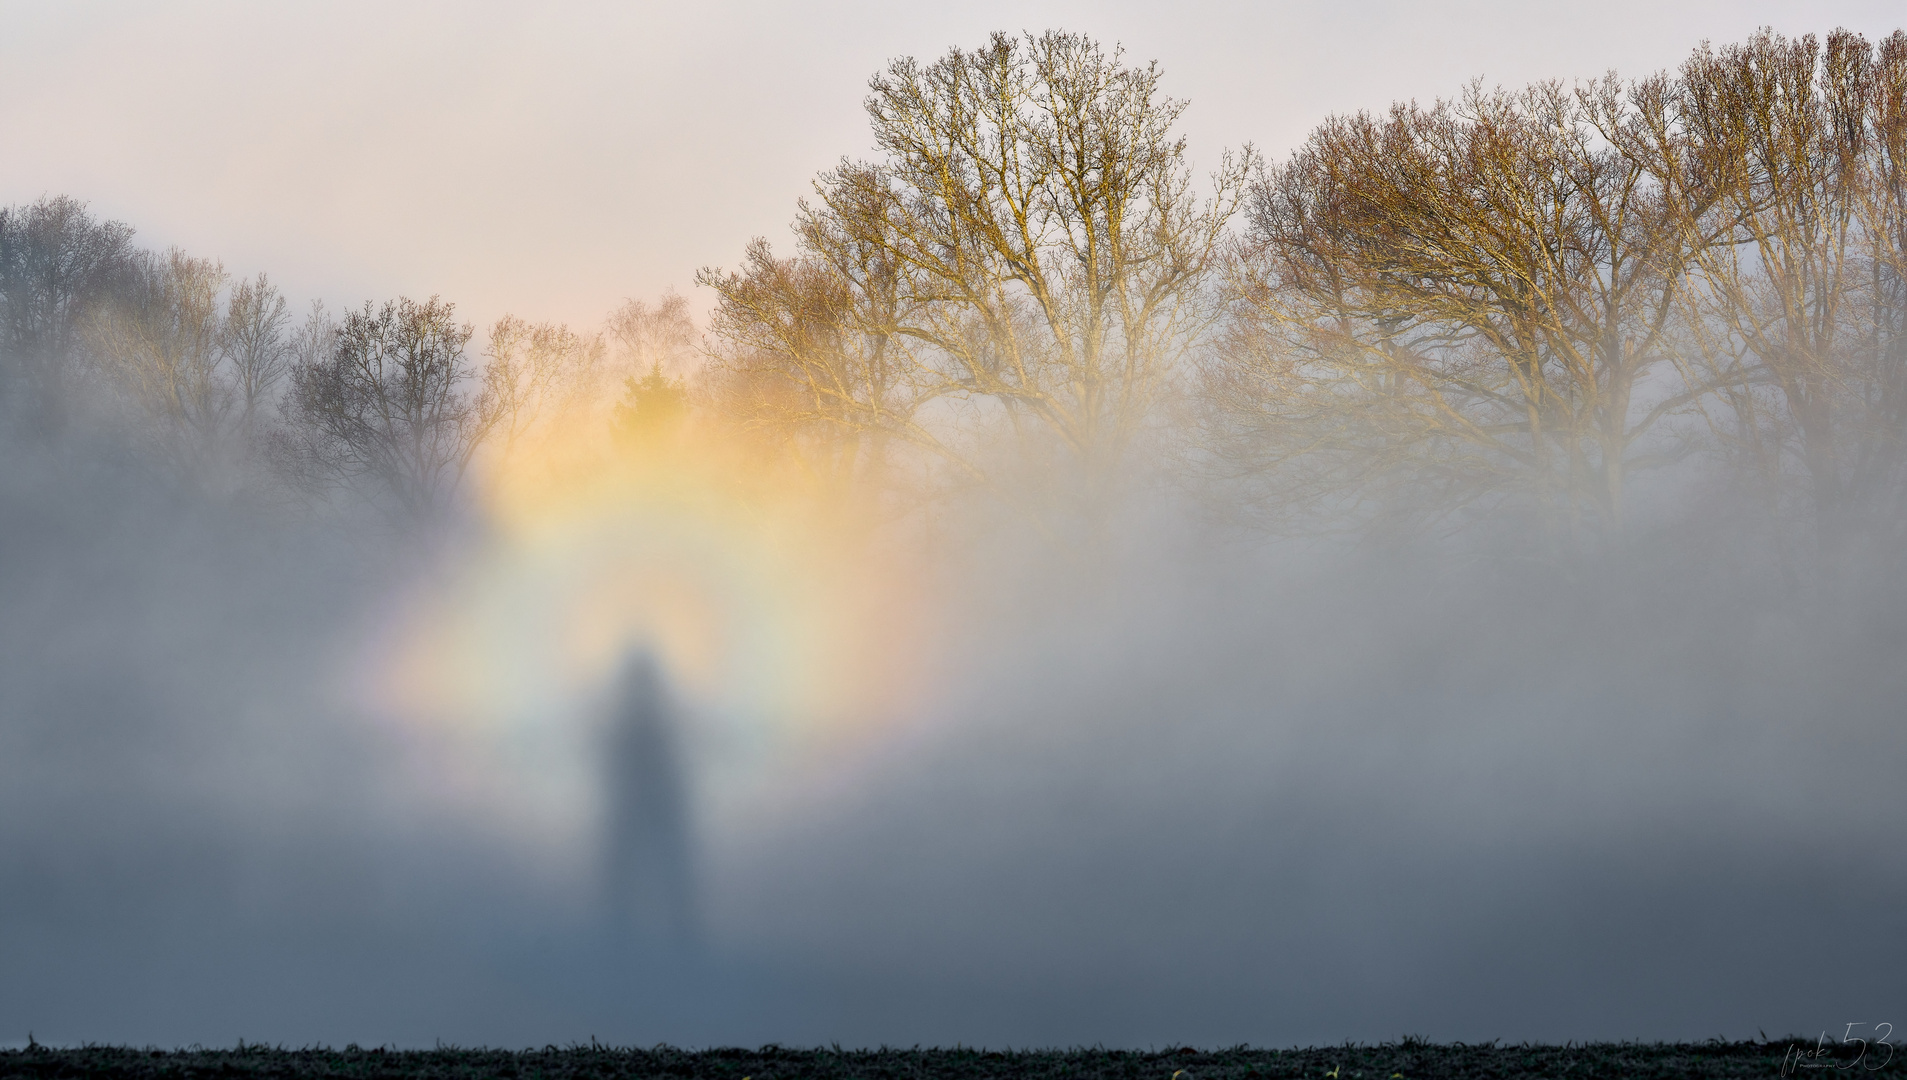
219	388
1510	302
1526	305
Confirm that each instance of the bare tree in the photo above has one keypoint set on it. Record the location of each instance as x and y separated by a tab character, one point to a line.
534	369
56	262
1880	471
1805	143
390	413
1029	239
1457	305
802	353
254	345
160	338
315	338
652	337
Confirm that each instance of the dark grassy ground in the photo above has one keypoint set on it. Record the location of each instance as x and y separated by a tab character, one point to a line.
1411	1060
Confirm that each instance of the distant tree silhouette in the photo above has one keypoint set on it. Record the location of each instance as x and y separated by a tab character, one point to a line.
56	263
393	413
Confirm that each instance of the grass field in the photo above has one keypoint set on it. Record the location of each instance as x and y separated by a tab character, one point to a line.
1409	1060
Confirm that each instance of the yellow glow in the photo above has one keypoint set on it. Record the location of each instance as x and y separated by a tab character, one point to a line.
783	621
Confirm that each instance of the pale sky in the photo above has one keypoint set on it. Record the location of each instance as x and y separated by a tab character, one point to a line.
552	159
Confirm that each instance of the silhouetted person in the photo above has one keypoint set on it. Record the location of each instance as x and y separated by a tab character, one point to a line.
646	856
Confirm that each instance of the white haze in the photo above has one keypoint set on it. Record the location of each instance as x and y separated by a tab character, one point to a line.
1211	792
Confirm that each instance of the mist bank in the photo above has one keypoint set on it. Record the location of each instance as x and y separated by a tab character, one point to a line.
1206	790
1358	796
1127	630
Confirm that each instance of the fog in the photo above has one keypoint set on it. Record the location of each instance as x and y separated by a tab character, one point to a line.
1412	584
1211	792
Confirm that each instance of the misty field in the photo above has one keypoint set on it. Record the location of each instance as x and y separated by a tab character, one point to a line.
1410	1060
1444	573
